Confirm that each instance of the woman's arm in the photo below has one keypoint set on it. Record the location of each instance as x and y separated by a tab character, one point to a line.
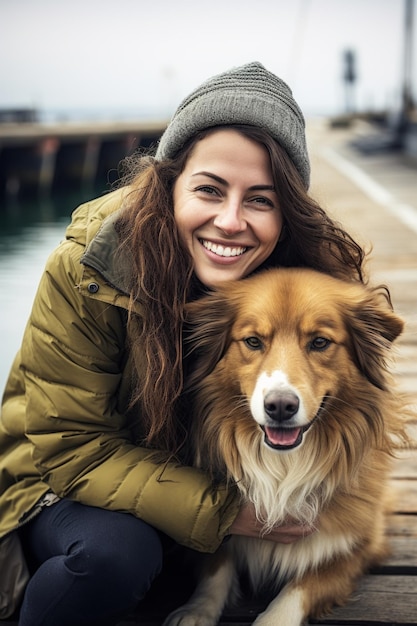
72	357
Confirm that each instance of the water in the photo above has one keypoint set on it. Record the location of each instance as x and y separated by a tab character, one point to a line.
29	231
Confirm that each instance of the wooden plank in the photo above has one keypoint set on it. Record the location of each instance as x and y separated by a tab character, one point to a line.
379	600
405	465
404	495
403	557
402	525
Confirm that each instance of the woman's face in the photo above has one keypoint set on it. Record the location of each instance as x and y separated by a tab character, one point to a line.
226	207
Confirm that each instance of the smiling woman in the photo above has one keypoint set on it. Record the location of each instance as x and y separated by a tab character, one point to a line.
94	433
226	207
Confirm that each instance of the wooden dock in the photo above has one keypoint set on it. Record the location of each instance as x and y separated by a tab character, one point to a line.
386	216
41	157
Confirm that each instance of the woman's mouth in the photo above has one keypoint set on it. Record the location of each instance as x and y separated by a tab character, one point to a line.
223	251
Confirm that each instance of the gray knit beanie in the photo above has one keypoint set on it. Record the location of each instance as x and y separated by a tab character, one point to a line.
249	94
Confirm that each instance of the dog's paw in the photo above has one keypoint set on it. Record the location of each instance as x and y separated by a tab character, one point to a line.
270	619
285	609
189	616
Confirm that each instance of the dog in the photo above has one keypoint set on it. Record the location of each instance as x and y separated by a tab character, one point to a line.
293	402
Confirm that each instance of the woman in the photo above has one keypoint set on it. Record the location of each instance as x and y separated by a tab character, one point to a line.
93	440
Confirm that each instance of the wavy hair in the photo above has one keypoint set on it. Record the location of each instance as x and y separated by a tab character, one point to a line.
162	278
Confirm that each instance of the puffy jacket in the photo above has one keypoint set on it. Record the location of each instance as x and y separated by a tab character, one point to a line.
65	426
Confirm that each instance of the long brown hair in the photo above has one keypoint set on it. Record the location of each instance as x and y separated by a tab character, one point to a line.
162	278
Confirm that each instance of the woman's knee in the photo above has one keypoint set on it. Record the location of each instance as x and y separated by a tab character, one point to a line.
104	570
94	552
122	558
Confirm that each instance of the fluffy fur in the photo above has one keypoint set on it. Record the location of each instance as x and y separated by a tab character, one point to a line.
293	402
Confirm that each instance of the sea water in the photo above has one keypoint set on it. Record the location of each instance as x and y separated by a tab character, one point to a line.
30	229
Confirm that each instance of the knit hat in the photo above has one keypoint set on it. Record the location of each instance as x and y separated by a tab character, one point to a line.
249	94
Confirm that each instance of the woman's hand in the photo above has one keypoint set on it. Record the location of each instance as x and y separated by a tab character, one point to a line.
246	523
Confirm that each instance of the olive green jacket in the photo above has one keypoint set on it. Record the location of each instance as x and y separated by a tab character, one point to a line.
64	425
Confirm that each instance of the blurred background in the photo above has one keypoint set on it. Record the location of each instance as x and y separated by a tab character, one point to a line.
84	83
135	58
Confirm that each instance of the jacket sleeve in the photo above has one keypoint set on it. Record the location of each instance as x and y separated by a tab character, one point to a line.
72	360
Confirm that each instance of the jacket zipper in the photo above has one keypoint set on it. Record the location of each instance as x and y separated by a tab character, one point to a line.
47	500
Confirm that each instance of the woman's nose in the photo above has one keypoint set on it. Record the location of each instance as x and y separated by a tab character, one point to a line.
230	217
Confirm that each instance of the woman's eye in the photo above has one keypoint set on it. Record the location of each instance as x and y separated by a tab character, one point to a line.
319	344
253	343
207	189
262	202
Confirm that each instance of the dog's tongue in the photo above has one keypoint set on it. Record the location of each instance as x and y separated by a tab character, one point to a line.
282	436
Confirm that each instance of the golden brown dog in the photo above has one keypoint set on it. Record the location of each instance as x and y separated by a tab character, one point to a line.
294	404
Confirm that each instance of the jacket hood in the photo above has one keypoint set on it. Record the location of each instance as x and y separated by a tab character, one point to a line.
92	226
87	219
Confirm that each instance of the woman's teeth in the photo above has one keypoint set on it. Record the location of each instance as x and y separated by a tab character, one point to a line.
223	250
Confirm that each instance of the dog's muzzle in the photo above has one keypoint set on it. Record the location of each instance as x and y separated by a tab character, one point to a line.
281	431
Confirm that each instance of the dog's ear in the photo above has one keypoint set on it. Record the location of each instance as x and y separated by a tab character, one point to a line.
373	327
206	335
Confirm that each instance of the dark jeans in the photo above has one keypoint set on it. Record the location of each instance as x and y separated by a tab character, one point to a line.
90	565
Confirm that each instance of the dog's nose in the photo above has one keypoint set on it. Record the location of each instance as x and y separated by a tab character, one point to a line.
281	406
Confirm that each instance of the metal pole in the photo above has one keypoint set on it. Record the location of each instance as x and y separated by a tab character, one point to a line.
408	59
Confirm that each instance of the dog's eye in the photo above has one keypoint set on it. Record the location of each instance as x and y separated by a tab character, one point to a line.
253	343
319	344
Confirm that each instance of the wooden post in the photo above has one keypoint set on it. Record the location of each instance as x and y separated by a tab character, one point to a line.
91	155
48	149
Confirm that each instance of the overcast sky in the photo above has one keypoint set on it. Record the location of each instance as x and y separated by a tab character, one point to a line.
142	56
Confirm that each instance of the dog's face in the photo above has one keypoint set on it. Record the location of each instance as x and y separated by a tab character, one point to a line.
289	355
289	340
